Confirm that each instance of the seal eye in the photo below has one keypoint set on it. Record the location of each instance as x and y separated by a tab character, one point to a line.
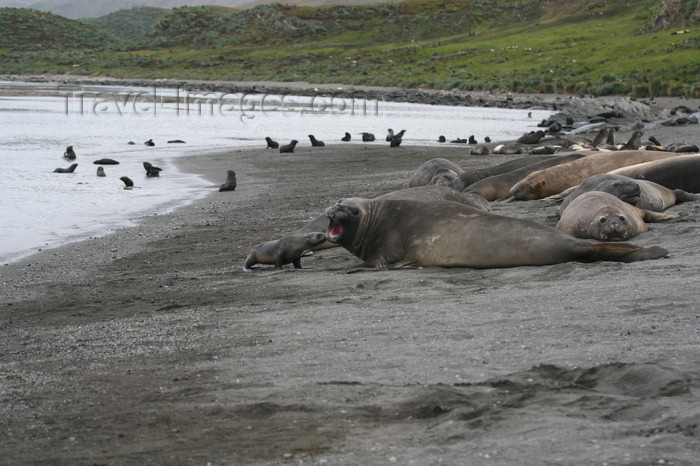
354	210
622	218
603	220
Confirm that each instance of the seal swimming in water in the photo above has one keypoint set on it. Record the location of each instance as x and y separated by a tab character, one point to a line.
151	171
105	162
69	154
101	171
315	142
150	143
289	148
128	184
271	144
230	184
70	169
602	216
388	234
286	250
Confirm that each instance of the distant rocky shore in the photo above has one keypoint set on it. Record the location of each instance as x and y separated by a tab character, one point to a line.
622	112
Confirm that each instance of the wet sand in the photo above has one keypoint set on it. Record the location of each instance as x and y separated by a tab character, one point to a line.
152	345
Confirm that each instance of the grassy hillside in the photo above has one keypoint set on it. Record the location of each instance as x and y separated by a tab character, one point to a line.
23	29
647	47
134	23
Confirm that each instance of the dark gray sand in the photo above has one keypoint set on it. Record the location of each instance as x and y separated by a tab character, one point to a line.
152	346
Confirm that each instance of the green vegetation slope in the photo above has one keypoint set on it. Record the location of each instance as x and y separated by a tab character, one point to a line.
647	47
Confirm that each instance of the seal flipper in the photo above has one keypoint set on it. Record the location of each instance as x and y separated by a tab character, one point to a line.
621	252
684	196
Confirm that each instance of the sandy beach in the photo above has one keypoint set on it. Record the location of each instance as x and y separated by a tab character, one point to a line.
152	345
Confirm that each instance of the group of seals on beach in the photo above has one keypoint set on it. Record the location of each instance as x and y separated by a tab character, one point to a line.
607	196
394	140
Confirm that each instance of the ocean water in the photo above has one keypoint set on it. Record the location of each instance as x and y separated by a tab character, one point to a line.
42	209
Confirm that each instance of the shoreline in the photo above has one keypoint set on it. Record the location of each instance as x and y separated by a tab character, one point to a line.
151	345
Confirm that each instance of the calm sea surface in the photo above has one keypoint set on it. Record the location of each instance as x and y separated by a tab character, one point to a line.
42	209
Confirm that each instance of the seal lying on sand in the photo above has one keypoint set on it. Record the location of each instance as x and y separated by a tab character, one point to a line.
397	233
286	250
644	194
425	174
554	180
602	216
679	172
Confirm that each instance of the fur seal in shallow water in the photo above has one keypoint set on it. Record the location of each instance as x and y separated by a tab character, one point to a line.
389	234
70	169
286	250
101	171
230	184
151	171
128	184
69	154
105	162
602	216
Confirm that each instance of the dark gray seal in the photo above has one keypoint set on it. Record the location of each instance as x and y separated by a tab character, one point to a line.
128	184
533	137
315	142
368	137
346	138
70	169
602	216
105	162
101	171
271	144
286	250
151	171
150	143
230	184
388	234
288	148
69	154
425	174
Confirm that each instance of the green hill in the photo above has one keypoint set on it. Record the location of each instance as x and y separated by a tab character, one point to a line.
130	24
23	29
647	47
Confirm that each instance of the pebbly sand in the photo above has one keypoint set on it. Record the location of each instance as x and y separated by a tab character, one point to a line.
152	346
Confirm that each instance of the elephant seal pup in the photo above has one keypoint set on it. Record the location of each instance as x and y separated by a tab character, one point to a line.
388	234
428	170
286	250
554	180
602	216
498	186
643	194
679	172
230	184
70	169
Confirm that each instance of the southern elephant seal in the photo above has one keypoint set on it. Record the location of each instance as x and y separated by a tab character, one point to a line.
644	194
602	216
285	250
424	193
425	174
473	175
389	234
497	186
554	180
679	172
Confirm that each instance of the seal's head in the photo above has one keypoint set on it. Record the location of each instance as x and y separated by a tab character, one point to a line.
344	218
613	226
